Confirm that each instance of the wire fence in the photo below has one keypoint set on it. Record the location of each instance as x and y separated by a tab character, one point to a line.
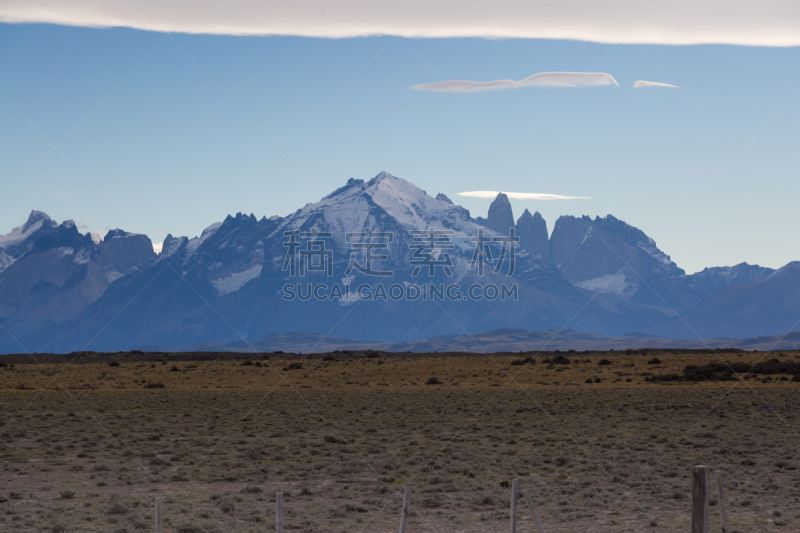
700	506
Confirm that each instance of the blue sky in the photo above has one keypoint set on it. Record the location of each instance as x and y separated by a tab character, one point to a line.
169	136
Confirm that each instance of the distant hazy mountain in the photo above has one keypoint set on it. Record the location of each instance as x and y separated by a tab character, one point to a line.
501	340
757	302
713	280
60	291
608	256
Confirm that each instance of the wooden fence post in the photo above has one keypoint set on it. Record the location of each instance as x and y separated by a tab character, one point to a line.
514	495
158	515
404	512
279	513
722	516
700	500
533	511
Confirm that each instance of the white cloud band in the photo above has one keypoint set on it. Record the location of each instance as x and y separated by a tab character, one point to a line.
642	84
741	22
521	195
542	79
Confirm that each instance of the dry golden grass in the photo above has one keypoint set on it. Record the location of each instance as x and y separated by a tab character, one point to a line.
86	447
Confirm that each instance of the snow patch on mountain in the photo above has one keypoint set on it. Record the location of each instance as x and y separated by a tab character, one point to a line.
171	245
608	284
194	244
209	231
652	250
82	257
113	275
5	260
237	280
404	202
20	234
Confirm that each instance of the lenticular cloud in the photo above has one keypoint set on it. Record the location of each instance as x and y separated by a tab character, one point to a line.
521	195
542	79
642	84
740	22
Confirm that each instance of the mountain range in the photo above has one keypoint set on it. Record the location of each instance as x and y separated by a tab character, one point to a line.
63	291
498	340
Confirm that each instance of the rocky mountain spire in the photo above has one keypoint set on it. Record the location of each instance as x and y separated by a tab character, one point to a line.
35	217
443	197
532	233
500	216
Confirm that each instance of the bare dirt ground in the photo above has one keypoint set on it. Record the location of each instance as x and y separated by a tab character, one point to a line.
87	447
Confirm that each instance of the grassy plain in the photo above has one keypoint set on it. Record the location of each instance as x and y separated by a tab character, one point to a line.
88	446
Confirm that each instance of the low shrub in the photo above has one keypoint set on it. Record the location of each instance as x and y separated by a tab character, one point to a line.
117	508
728	371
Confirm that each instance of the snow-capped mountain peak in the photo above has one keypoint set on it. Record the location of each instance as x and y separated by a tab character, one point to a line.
34	223
359	205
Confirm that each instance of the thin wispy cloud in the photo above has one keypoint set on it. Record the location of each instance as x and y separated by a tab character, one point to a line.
643	84
521	195
542	79
677	22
